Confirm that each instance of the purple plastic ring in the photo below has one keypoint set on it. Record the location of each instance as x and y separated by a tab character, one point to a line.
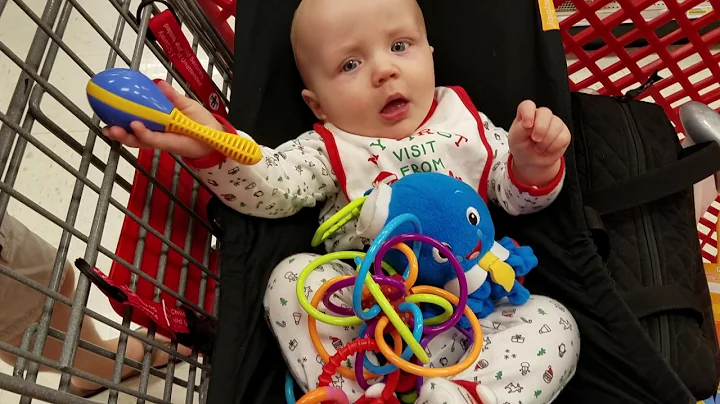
462	303
359	358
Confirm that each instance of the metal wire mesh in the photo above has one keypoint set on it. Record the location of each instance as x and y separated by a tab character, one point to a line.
688	71
60	174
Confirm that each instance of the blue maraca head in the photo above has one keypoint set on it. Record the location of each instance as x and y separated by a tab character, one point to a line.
120	96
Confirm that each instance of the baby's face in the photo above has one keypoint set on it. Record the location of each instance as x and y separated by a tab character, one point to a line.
367	64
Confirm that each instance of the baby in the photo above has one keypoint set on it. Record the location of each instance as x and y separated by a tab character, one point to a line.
368	69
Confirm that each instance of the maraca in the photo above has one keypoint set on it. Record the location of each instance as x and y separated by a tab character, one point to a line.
120	96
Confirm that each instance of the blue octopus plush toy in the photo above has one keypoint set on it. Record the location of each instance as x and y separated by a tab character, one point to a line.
453	213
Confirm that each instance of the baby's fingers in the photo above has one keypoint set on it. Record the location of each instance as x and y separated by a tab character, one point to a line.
179	101
526	114
140	137
120	135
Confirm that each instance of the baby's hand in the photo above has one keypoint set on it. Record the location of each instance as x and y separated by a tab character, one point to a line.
181	145
537	139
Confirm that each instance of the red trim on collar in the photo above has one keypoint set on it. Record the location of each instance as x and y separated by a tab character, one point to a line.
430	113
333	155
483	186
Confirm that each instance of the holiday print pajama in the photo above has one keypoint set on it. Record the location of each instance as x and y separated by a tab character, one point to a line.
529	352
333	167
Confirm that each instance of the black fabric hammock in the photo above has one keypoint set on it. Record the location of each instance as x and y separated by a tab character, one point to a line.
497	51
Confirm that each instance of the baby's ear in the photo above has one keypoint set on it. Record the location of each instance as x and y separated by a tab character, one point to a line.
312	101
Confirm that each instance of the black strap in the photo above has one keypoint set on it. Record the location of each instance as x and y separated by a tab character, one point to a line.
694	164
634	93
212	211
654	300
599	234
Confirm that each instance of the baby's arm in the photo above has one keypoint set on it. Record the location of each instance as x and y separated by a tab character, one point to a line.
295	175
504	189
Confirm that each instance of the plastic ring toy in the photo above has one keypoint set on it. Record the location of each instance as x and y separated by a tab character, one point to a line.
462	303
436	300
399	288
384	304
395	319
315	338
362	273
338	220
432	372
289	388
325	394
407	353
359	375
412	275
300	289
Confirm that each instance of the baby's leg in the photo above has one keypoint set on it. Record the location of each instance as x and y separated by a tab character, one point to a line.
530	352
289	321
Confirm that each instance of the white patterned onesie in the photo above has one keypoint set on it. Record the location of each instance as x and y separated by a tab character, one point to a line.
529	352
333	166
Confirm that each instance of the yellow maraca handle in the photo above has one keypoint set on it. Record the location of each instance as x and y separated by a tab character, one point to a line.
238	148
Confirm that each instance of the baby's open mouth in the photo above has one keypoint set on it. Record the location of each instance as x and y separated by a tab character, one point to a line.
395	109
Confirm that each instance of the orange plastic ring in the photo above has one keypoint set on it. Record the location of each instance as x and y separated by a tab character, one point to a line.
325	394
412	260
417	370
315	338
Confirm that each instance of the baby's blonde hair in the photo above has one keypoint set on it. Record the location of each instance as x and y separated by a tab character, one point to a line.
294	40
295	28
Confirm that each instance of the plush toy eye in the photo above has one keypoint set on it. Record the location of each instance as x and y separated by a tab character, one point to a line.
439	257
473	216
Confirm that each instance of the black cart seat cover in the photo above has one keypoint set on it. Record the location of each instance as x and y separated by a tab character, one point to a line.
508	59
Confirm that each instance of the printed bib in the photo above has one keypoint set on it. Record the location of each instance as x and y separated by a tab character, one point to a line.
451	141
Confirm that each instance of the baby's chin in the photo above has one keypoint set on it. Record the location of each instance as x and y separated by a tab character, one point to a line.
399	130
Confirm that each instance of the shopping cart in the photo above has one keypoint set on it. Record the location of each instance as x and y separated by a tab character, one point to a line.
673	39
50	48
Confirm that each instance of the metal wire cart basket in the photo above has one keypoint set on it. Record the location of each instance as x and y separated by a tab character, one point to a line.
70	186
137	219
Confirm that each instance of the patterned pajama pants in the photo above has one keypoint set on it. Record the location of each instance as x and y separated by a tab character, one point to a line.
529	352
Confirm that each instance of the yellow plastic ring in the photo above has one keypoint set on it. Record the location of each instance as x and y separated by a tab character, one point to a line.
390	312
336	221
432	372
300	289
436	300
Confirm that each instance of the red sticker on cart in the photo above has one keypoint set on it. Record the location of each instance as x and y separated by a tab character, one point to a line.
169	35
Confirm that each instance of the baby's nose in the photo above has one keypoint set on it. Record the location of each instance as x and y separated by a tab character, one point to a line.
384	71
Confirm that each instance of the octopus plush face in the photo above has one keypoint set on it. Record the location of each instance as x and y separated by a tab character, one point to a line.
466	228
449	211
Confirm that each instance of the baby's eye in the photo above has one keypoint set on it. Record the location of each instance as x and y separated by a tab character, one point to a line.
350	65
399	46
